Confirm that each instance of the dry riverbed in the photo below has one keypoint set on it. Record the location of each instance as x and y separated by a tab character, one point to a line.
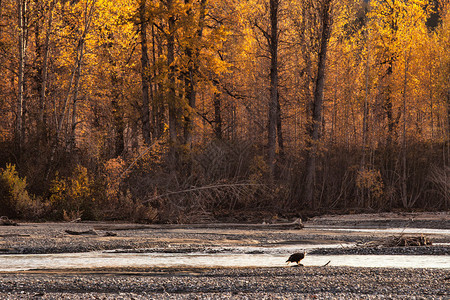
222	283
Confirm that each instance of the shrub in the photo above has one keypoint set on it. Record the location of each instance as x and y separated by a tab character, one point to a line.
369	181
440	178
15	202
73	197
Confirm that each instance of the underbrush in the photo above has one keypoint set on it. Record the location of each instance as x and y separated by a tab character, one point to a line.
222	181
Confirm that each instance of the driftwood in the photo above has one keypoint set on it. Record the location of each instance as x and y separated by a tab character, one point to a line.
87	232
109	233
123	227
297	224
7	222
400	241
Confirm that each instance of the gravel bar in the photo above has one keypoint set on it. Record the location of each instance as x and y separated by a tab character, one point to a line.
234	283
416	250
42	238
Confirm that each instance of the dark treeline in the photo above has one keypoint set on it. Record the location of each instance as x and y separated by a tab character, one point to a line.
202	110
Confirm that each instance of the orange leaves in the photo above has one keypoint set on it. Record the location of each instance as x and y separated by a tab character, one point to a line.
370	181
395	23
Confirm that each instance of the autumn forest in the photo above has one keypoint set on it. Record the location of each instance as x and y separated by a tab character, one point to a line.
195	111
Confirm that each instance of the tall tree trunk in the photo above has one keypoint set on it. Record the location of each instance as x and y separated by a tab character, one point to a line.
448	115
22	49
74	123
405	200
119	126
388	107
172	101
447	155
314	132
192	53
39	63
362	168
217	116
117	108
273	100
431	97
280	129
145	75
44	73
190	94
189	90
157	112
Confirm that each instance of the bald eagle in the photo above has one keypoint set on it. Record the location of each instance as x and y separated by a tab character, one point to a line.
296	257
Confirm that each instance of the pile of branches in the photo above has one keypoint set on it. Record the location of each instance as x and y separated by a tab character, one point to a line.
198	203
400	241
5	221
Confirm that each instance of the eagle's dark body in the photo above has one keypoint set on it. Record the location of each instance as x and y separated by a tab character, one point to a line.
296	257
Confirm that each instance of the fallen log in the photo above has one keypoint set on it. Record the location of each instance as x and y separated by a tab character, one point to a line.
297	224
109	233
87	232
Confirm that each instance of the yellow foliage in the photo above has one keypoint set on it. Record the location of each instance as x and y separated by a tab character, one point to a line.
73	195
16	196
371	181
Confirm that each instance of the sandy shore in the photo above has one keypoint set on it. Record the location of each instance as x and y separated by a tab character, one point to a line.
224	283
